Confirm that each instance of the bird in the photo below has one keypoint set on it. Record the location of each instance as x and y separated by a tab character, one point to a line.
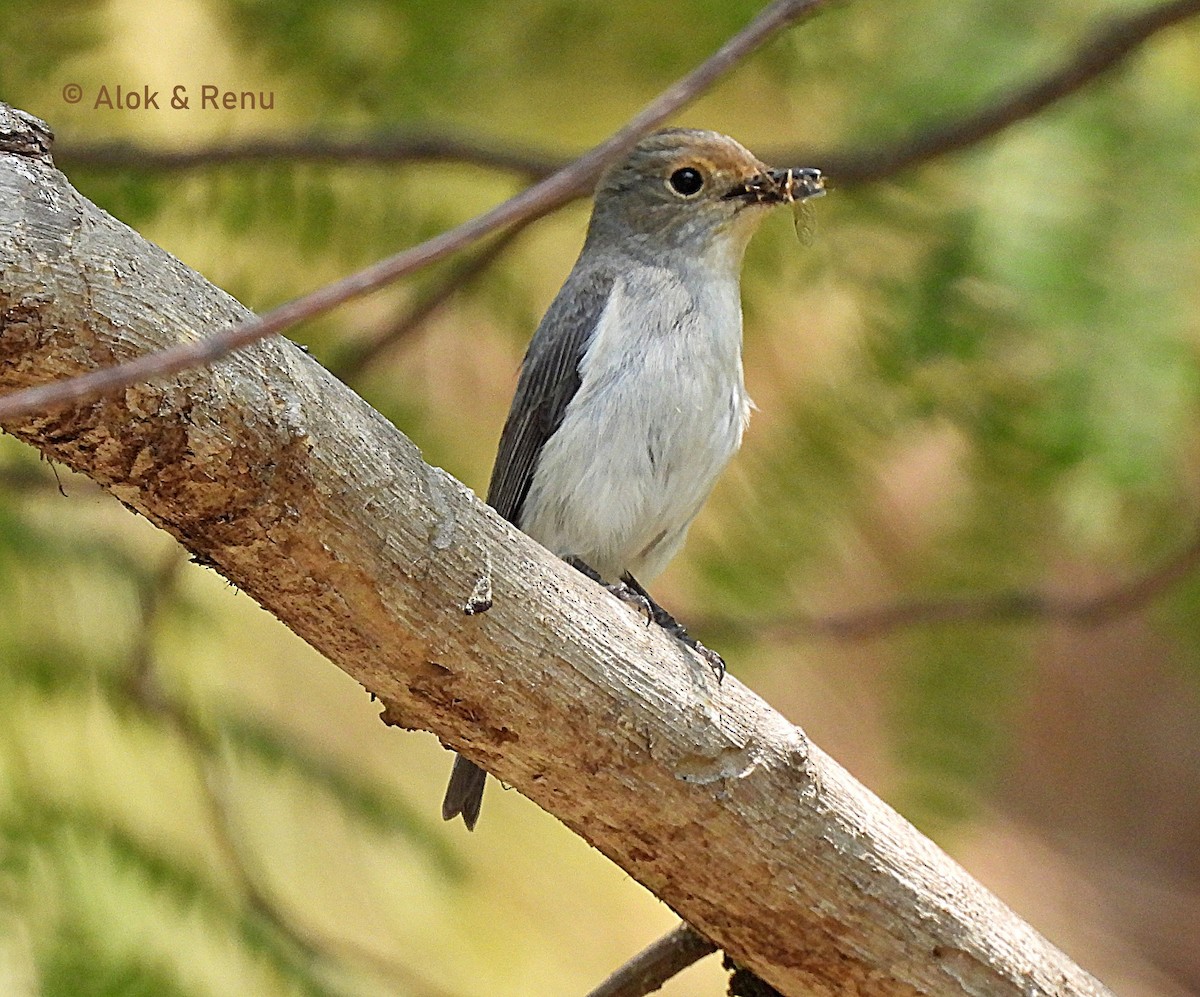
631	399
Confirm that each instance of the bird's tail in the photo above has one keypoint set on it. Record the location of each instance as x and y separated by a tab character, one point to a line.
464	795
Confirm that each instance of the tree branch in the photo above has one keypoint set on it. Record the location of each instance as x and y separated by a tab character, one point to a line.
273	472
356	358
1107	47
1000	607
562	186
654	965
382	149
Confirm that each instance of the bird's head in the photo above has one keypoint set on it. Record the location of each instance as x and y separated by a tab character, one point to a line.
690	191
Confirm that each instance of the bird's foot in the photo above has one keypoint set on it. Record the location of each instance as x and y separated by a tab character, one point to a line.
630	592
715	661
632	598
627	594
676	629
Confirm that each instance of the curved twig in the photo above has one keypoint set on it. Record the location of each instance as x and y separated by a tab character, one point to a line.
1109	45
358	356
647	971
533	202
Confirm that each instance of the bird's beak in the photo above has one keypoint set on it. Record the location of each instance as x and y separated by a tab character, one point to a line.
791	186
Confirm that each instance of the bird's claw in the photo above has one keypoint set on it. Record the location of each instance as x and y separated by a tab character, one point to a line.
715	661
632	594
676	630
634	599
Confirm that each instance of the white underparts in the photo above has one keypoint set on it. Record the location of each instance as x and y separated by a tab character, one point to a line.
660	410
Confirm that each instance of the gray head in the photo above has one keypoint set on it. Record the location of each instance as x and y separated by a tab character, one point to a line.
698	192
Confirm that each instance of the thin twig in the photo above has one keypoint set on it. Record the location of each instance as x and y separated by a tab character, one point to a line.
647	971
356	358
533	202
1090	611
23	479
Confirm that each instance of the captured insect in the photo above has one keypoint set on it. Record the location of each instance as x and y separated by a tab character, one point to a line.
801	187
804	221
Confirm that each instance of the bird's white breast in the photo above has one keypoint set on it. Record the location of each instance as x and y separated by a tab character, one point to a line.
660	410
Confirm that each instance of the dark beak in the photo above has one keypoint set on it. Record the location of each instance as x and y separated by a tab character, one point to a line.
790	186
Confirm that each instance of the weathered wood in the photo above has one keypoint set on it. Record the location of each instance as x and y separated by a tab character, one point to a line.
284	480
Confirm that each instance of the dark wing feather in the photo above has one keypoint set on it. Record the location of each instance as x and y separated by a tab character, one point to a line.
549	379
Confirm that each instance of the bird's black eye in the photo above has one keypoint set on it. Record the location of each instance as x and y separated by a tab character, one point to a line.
686	182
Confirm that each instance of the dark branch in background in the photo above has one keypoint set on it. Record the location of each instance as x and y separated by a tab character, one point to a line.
382	150
1107	47
1089	611
356	357
157	593
647	971
680	948
533	202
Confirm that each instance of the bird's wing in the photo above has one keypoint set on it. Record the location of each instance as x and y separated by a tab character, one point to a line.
549	379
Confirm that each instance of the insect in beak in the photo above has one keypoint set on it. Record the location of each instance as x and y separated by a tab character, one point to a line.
798	184
791	186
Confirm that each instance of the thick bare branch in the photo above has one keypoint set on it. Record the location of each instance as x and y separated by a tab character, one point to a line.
564	185
271	471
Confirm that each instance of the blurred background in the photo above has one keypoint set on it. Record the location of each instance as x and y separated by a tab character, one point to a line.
961	546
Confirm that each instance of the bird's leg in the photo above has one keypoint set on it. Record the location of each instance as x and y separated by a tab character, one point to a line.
675	628
634	597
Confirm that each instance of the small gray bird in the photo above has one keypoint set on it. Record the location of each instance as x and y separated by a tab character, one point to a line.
631	399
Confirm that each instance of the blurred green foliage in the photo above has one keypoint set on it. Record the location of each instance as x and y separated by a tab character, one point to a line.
1022	314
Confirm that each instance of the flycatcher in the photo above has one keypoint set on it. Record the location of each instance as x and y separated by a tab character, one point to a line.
631	399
